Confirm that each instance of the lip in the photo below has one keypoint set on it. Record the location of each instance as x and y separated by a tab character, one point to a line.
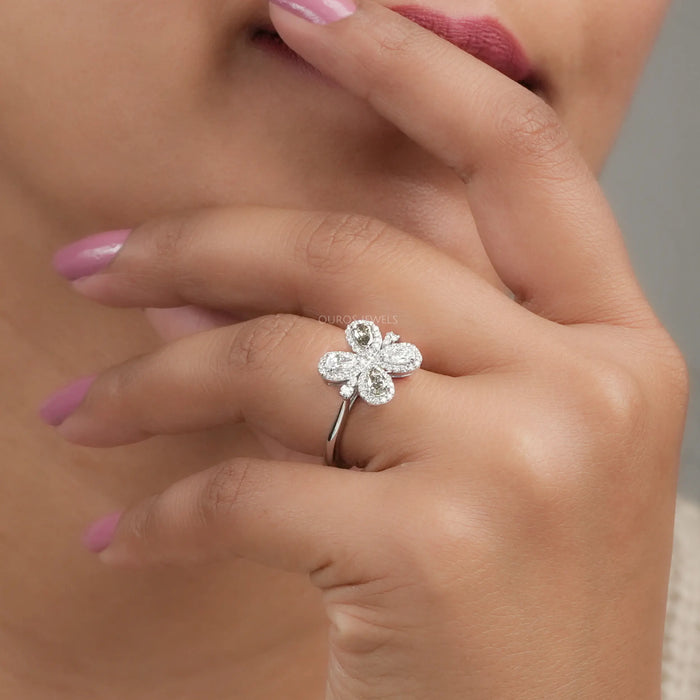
484	38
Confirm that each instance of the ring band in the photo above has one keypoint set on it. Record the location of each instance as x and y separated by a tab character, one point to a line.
367	373
332	441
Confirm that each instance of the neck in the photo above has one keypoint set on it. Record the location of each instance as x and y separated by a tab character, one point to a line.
68	626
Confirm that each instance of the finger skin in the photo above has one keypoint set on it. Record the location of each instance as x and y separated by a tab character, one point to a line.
252	261
543	219
263	372
292	516
177	322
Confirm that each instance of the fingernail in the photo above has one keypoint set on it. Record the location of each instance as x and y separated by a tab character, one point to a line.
318	11
61	404
98	536
89	255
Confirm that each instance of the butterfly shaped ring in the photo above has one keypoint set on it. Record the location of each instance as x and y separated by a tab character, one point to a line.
367	372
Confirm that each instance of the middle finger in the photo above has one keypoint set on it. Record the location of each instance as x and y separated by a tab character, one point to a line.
252	261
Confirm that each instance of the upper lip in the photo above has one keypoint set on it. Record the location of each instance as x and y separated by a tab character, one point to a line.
483	37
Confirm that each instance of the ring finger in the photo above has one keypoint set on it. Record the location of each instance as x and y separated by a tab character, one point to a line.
263	372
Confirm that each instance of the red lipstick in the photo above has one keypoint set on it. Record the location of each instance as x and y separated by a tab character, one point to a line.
483	37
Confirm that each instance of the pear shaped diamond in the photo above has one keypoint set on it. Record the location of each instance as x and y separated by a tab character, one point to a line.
369	370
339	366
363	337
375	386
400	359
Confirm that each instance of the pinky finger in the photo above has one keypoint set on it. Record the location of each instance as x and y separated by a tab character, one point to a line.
292	516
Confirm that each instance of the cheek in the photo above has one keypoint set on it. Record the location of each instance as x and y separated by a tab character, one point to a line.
118	111
596	89
93	89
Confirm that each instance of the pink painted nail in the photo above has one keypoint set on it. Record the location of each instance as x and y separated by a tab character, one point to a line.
99	535
89	255
318	11
61	404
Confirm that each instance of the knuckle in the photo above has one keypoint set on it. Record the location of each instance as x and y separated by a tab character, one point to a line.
619	397
228	485
537	489
140	524
119	386
677	373
361	623
175	242
338	242
171	239
392	53
522	444
122	393
664	364
532	132
461	538
349	631
453	532
450	523
396	42
254	344
680	373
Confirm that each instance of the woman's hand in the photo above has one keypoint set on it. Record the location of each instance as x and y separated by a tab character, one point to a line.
510	534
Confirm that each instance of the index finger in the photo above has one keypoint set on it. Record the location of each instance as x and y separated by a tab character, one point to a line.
543	220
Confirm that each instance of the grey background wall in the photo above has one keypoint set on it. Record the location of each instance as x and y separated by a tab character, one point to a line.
653	182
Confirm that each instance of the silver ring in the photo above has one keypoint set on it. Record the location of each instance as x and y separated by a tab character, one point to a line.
365	373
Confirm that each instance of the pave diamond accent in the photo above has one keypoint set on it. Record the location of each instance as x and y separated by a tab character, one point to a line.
390	337
369	370
347	391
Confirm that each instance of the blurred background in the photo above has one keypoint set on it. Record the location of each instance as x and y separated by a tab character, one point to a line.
653	182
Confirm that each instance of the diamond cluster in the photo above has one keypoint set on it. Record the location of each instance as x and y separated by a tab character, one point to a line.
369	369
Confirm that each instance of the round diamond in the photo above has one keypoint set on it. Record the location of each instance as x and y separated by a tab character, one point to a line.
389	338
347	391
